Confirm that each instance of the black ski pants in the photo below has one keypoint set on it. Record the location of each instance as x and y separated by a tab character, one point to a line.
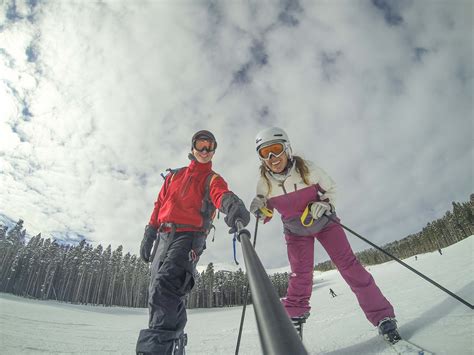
172	277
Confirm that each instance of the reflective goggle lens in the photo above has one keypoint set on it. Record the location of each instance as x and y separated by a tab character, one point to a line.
276	149
203	144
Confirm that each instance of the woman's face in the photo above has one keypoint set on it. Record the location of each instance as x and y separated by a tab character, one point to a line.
277	164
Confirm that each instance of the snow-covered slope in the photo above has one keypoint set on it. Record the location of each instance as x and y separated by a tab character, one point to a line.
426	315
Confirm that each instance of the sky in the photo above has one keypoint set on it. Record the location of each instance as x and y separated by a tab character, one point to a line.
97	98
426	316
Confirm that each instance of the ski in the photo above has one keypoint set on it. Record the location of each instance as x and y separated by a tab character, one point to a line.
404	347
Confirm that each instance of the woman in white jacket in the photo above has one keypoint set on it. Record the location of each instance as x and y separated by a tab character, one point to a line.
304	195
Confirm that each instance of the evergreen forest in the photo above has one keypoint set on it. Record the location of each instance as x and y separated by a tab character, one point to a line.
43	268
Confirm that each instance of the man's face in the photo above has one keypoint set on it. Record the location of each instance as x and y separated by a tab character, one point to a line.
203	157
203	150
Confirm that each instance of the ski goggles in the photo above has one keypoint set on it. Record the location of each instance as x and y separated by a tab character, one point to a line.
275	149
203	144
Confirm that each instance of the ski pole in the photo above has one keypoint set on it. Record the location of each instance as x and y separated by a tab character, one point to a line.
242	318
404	264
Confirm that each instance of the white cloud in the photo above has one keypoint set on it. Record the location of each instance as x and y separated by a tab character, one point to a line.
96	99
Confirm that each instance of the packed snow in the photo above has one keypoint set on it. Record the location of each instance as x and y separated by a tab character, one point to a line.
426	316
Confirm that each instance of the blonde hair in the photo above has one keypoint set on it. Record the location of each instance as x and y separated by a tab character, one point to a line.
300	165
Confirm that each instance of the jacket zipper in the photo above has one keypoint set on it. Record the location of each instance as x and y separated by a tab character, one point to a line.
282	185
186	186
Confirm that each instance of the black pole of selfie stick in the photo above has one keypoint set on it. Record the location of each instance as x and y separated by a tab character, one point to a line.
242	318
277	334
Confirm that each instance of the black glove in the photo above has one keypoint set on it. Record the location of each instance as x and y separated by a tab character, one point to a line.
149	238
234	208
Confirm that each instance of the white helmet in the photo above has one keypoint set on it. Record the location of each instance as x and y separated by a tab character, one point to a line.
273	135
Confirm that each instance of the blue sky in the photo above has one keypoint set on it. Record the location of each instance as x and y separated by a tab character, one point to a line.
98	98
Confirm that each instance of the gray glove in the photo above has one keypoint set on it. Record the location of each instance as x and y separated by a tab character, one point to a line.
234	209
257	204
318	209
149	238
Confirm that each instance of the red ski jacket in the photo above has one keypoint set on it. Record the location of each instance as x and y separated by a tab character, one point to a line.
181	196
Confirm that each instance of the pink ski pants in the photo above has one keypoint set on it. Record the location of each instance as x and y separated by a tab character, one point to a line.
301	256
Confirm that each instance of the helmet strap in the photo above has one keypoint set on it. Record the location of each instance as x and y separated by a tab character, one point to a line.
289	151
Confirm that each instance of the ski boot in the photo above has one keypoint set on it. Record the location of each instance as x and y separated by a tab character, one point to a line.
388	329
179	344
298	323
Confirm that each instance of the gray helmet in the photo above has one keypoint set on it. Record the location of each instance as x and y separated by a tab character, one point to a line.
203	134
273	135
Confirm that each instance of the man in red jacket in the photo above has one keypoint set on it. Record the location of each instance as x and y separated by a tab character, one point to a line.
179	226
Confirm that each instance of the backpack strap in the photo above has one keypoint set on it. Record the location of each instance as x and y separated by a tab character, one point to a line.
208	210
171	173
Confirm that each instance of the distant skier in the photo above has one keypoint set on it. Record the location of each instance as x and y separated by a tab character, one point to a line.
416	257
180	223
439	251
303	194
332	293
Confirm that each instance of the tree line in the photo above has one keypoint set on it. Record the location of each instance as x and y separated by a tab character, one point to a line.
225	288
47	269
454	226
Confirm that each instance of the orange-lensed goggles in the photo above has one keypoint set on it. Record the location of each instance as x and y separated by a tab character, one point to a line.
275	149
204	144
